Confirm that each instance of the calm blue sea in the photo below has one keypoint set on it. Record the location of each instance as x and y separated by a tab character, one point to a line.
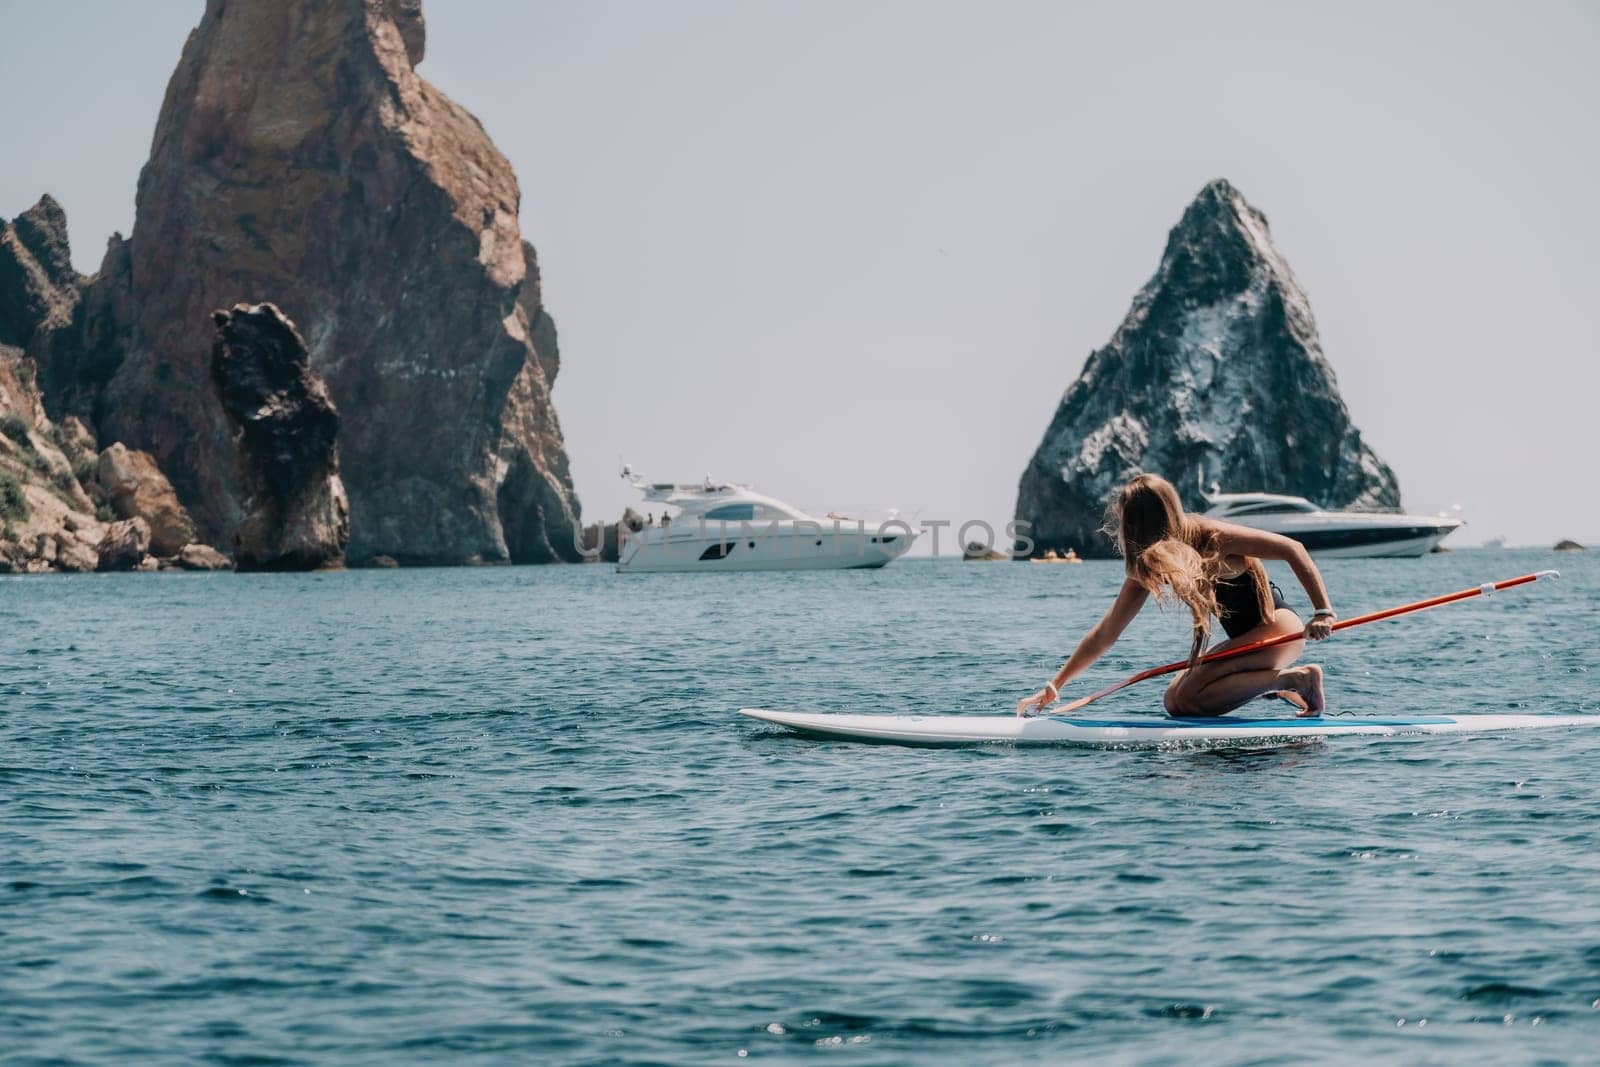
509	815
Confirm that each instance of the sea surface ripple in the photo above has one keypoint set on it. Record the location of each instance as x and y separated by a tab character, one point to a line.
510	814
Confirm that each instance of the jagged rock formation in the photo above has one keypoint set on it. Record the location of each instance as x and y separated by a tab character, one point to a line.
299	157
295	514
57	492
125	545
39	289
47	520
1216	374
136	488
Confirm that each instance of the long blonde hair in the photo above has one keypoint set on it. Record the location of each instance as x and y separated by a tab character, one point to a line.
1172	554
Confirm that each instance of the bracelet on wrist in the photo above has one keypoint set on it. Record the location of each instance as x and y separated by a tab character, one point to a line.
1321	613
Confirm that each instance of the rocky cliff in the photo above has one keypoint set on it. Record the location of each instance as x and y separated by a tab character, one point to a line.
39	290
47	519
1216	374
285	432
64	505
300	158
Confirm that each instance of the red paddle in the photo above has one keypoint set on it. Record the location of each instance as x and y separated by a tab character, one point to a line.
1360	620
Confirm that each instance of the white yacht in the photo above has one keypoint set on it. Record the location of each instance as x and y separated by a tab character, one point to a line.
717	526
1333	533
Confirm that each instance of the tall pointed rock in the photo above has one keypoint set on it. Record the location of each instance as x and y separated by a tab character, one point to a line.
1216	374
299	158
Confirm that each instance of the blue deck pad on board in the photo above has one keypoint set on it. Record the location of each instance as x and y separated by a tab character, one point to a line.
1272	724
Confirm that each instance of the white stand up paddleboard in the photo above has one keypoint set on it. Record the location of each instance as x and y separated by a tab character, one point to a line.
1063	730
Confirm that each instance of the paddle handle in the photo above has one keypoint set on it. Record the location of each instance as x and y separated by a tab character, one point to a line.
1486	589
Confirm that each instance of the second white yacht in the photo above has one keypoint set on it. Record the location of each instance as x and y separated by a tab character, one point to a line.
717	526
1333	533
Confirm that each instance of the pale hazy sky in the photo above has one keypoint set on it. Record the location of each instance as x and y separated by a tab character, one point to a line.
854	252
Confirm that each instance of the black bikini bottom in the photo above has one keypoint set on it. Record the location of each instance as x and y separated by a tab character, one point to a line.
1234	625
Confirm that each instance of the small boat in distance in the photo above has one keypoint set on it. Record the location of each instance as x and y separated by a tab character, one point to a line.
721	526
1348	534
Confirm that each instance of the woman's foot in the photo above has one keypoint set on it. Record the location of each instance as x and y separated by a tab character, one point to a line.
1289	696
1306	681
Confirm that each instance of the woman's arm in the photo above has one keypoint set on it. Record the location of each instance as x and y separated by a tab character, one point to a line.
1101	636
1243	541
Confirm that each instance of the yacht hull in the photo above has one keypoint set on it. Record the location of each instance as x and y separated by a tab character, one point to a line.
1329	541
660	551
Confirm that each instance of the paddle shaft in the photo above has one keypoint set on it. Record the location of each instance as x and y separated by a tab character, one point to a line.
1283	639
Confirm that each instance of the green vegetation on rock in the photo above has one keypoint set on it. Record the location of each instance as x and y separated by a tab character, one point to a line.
13	501
15	427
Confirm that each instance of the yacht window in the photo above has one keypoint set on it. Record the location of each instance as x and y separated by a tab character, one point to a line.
732	512
1270	509
718	551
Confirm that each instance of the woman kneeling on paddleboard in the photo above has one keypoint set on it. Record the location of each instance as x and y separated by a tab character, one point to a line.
1214	568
